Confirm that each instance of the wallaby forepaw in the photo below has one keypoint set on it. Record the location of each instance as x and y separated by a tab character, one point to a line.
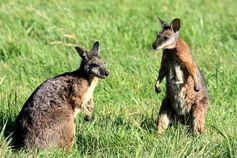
87	118
196	88
157	89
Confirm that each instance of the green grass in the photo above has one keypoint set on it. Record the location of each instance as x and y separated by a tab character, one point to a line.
36	43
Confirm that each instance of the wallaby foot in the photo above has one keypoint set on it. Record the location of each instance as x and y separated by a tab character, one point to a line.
87	117
164	118
198	119
163	122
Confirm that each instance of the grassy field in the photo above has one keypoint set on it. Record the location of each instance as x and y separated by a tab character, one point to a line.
37	39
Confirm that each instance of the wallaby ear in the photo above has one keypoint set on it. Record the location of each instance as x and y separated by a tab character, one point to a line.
96	48
81	52
163	23
175	25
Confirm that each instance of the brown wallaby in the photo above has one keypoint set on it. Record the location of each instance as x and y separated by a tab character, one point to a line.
186	94
47	117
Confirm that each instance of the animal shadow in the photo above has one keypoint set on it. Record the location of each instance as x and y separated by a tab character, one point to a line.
7	126
148	124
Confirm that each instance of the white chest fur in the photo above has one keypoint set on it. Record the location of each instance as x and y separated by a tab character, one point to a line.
176	79
176	74
77	111
179	74
88	95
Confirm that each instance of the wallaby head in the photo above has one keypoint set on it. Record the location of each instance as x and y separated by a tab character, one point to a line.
166	38
91	62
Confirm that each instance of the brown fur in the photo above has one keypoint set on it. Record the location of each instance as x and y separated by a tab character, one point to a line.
186	94
184	55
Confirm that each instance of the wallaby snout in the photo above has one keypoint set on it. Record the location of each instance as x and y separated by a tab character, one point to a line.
106	73
154	45
103	72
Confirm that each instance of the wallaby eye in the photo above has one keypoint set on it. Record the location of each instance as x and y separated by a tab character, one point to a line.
166	38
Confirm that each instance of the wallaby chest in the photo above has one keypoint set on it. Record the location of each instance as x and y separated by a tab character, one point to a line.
85	94
90	90
175	72
176	79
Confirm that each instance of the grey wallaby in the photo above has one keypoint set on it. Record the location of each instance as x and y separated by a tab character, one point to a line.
47	117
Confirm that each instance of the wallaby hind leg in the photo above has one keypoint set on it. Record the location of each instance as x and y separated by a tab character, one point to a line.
197	120
53	131
67	137
64	129
58	132
164	118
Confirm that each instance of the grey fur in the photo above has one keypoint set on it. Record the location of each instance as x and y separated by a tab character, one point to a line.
46	119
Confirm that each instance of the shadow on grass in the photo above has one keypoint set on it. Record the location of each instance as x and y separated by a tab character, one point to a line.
143	122
6	129
88	141
148	124
7	125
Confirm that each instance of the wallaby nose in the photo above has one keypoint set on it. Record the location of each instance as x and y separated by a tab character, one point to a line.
106	73
154	46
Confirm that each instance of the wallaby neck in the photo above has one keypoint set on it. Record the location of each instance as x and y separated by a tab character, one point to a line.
83	75
181	46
